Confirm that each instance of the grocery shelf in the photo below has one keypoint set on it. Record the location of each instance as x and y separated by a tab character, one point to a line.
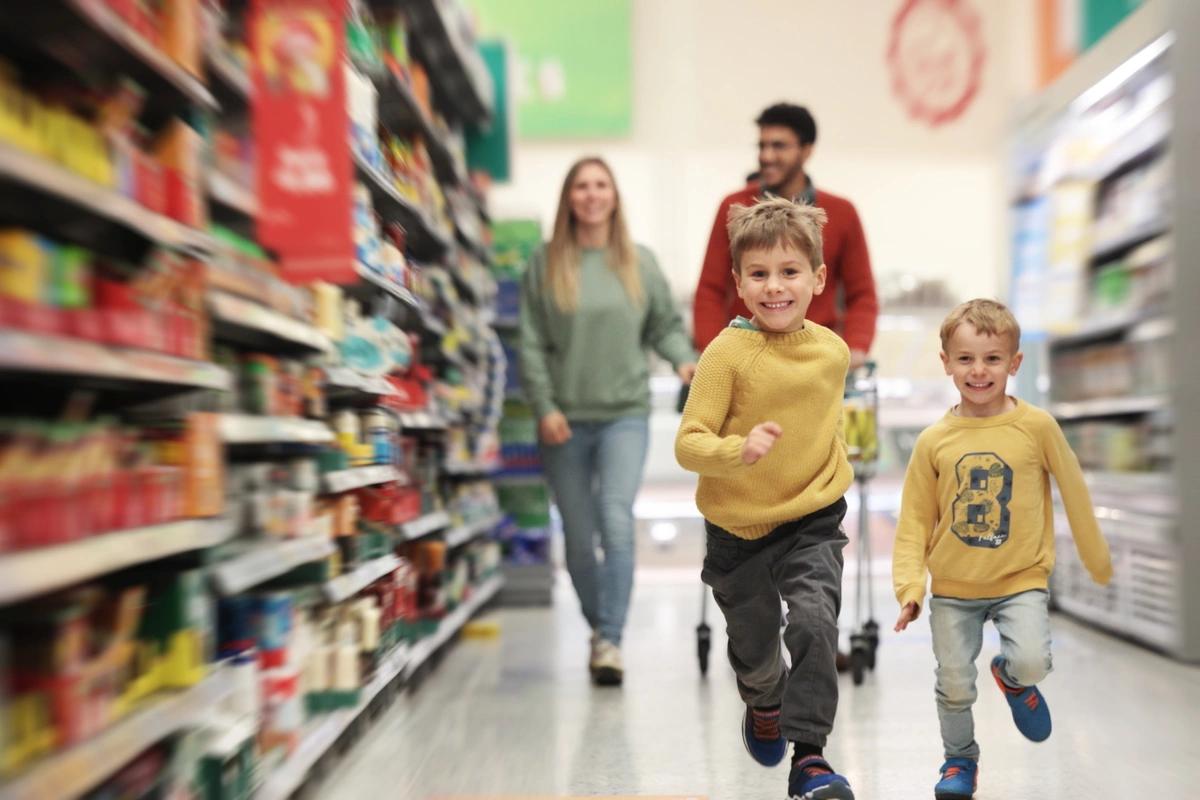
29	573
89	38
347	379
230	77
21	351
1102	327
346	586
1109	407
1107	249
422	420
262	562
470	468
399	110
404	660
452	624
67	205
78	769
349	479
425	525
246	320
250	429
456	537
424	239
460	74
323	733
228	193
371	281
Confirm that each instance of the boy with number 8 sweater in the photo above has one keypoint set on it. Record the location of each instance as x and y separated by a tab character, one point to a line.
977	515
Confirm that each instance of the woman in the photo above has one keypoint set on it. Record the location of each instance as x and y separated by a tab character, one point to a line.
592	305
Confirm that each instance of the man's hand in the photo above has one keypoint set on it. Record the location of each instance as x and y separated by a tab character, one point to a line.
760	441
553	428
686	372
857	359
907	614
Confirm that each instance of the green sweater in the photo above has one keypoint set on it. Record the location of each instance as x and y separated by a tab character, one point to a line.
591	364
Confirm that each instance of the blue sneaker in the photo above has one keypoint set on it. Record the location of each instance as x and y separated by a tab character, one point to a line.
1029	709
960	776
760	734
813	779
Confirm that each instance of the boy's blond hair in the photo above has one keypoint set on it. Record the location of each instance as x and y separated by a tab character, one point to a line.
773	222
989	318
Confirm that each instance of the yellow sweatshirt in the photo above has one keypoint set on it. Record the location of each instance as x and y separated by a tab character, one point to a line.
746	377
976	510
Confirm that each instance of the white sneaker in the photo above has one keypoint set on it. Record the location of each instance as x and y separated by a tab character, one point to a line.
606	666
593	650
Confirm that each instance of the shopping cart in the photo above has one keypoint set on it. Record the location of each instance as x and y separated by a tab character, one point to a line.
860	425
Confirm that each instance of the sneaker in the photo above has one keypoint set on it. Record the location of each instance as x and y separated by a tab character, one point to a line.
760	734
813	779
593	650
960	776
1029	709
606	664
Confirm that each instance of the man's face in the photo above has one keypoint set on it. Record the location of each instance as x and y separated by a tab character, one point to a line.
781	157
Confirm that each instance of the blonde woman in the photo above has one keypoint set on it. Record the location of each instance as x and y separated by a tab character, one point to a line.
593	304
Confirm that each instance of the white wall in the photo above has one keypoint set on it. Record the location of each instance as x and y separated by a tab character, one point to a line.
931	199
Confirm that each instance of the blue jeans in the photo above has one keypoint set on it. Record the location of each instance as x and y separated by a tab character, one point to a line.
595	477
1023	622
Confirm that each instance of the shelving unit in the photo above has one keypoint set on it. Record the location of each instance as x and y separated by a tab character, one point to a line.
266	560
66	205
74	771
1122	381
247	429
268	460
30	573
401	663
258	325
425	525
36	353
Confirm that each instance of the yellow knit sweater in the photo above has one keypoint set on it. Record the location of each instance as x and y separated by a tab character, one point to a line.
977	515
746	377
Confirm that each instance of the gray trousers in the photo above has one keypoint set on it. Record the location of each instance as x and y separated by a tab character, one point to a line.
800	562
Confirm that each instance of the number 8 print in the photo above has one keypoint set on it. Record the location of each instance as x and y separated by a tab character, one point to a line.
981	516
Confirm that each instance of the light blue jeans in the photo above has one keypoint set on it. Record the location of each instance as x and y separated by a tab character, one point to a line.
595	478
1023	622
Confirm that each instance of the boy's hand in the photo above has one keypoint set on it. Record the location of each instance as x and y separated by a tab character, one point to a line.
553	428
907	614
686	372
760	441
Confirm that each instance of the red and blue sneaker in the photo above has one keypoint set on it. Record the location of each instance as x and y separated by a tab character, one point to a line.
813	779
1029	709
760	733
960	776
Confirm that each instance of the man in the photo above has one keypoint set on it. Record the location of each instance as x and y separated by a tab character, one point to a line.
787	134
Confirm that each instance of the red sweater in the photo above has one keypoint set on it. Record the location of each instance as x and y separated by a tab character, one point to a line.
846	258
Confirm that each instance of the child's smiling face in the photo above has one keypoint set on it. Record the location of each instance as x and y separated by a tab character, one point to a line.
778	286
981	365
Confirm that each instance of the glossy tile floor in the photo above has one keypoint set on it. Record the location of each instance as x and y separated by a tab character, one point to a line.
514	715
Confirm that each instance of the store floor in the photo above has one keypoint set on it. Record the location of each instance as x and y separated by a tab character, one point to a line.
514	716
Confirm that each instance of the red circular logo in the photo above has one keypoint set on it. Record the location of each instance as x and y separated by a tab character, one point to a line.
936	57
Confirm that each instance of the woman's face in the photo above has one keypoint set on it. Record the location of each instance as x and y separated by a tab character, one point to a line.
592	196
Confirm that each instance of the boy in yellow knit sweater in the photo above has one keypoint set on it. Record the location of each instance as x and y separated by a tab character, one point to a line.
762	427
976	514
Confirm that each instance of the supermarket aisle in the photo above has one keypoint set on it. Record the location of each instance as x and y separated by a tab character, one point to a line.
515	716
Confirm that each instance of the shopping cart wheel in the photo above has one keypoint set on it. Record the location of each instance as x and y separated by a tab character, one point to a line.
871	631
860	648
858	665
703	643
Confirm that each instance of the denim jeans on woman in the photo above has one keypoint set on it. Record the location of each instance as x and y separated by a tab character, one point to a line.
595	478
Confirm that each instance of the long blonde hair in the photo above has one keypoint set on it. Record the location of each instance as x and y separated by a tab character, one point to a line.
563	253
